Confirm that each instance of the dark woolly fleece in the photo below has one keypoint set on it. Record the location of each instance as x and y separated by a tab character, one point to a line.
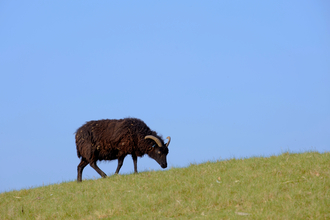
110	139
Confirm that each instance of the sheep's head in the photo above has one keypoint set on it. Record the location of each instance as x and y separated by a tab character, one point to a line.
159	151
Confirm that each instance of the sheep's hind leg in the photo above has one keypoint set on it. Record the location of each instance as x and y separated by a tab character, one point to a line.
80	169
98	170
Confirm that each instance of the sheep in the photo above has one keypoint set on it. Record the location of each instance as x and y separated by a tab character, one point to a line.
111	139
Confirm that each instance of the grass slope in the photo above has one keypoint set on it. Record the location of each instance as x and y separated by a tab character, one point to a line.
288	186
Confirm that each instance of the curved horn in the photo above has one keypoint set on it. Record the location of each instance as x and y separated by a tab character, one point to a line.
158	142
169	140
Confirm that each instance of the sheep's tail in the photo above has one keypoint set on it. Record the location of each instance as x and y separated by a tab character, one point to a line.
77	139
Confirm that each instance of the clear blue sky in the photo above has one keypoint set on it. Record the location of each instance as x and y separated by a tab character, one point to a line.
223	78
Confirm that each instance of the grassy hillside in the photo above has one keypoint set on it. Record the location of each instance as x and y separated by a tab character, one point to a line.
289	186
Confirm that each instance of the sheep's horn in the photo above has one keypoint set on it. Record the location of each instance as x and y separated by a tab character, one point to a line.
169	140
158	142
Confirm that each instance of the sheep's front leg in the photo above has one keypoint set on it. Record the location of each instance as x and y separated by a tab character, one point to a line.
135	162
120	163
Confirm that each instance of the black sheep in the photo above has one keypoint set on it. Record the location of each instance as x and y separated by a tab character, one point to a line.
114	139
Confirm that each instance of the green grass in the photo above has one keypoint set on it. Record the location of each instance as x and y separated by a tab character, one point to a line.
288	186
